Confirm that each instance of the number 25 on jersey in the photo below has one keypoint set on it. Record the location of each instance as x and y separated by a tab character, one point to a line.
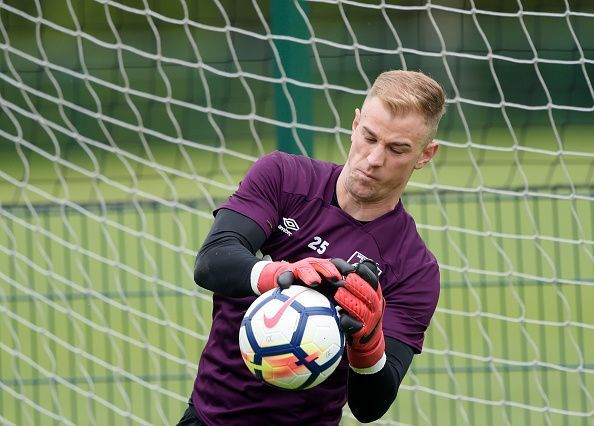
318	245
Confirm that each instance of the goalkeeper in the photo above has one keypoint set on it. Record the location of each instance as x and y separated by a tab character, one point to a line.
319	222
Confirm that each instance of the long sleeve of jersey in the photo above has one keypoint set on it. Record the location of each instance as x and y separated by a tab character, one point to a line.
225	260
223	266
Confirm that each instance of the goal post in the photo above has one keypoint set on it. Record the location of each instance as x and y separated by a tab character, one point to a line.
292	103
123	124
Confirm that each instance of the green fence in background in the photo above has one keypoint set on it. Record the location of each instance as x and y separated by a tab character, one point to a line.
521	80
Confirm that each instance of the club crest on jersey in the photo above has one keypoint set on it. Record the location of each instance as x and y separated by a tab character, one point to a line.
289	226
358	257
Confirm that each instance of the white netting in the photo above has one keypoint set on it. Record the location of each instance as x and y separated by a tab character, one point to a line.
123	124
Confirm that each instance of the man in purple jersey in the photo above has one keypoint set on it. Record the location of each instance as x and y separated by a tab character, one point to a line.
319	223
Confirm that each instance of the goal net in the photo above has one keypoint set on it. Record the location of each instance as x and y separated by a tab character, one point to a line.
123	124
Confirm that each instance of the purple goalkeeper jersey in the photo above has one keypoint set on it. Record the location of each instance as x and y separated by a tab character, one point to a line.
290	197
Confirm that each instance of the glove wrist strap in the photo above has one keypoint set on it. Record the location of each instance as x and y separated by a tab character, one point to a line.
261	277
368	358
374	368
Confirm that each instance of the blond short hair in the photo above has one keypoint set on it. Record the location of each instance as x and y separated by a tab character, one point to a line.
411	91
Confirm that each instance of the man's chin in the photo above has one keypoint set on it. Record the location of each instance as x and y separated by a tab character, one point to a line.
364	192
362	188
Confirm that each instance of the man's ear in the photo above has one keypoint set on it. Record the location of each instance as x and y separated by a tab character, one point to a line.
428	153
355	122
356	119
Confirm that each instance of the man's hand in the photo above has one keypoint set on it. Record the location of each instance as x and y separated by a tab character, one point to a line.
309	271
360	295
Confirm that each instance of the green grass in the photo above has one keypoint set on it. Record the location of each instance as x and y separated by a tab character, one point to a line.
101	318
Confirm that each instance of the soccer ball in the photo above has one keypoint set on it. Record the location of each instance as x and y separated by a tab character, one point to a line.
290	338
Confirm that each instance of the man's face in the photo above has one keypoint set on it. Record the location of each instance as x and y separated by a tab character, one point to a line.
385	150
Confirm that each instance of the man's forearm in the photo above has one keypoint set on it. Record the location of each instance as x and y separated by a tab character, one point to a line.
371	395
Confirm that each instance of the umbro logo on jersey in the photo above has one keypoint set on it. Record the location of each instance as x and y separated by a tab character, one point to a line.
289	226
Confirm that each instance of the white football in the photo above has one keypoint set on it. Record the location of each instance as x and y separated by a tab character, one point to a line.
290	338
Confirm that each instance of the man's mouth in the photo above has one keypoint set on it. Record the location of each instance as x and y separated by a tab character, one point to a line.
366	175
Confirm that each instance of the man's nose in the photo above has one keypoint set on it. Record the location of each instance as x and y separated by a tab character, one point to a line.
376	156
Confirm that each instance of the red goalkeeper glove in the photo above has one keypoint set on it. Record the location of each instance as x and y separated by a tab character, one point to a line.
309	271
360	295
